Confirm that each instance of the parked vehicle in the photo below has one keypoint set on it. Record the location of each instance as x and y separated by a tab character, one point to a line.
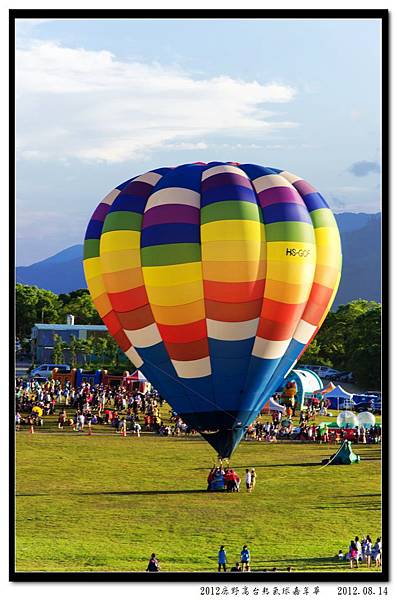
345	376
46	369
327	373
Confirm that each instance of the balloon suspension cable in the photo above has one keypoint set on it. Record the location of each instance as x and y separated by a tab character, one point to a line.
333	457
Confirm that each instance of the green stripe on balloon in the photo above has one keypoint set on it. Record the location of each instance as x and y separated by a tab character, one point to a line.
230	210
91	249
293	231
122	221
323	217
170	254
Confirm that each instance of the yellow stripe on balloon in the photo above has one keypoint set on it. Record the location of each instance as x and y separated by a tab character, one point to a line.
179	315
327	236
234	271
96	286
172	274
290	272
92	267
326	275
232	230
291	293
120	260
174	295
241	250
294	252
119	240
329	256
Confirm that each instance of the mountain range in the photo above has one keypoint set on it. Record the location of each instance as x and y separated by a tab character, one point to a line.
361	272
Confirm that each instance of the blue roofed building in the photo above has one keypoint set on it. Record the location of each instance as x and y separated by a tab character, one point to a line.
43	338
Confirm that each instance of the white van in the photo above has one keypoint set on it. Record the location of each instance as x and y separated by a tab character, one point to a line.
46	370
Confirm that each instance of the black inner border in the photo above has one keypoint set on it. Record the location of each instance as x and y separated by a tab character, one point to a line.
221	578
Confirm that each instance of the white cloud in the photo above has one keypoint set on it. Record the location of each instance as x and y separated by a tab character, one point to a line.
75	103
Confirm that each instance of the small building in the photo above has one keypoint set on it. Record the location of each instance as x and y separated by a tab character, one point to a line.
43	338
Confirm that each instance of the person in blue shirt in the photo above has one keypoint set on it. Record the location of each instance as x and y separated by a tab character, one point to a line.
245	558
222	559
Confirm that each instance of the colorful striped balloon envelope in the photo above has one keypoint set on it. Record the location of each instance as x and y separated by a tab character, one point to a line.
213	278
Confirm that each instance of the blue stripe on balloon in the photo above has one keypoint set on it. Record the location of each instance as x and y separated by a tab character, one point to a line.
227	192
259	374
185	176
314	201
255	171
121	186
226	349
94	230
129	202
285	211
170	233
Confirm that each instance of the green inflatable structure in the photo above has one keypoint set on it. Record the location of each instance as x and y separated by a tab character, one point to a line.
344	456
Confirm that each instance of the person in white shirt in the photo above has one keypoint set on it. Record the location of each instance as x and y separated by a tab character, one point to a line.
248	480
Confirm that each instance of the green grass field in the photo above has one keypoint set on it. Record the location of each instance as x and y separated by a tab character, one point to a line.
104	503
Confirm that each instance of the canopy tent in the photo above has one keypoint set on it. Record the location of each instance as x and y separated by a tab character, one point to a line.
272	405
327	389
338	398
138	376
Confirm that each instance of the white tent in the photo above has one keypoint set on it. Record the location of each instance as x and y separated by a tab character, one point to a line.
271	405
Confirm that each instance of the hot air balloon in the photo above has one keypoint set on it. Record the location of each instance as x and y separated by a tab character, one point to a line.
213	278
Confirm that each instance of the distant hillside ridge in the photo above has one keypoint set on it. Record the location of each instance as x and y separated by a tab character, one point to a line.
361	272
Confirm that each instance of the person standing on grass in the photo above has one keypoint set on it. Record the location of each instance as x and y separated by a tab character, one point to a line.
153	565
245	558
248	480
353	555
222	559
368	550
253	479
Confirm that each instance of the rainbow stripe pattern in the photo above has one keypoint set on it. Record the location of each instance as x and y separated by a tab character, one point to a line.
213	279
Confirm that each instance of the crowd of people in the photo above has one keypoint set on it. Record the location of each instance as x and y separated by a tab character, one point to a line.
220	479
133	411
282	427
363	551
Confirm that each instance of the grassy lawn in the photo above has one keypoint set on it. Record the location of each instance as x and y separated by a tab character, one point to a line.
104	503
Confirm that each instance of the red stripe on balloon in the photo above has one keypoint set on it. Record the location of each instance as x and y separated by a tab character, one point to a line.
281	311
136	319
274	330
190	351
129	300
233	312
112	322
122	340
183	333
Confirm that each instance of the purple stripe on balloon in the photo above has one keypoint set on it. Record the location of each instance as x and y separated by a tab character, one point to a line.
138	188
275	195
171	213
100	212
221	179
304	187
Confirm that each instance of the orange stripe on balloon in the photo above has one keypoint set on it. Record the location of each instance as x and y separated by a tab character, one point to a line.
234	291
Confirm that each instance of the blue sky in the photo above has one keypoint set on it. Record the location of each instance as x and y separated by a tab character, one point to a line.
101	101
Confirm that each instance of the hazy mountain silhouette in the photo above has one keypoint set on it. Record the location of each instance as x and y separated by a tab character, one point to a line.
361	274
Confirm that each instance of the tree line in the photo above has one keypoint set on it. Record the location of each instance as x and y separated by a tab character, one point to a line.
349	339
